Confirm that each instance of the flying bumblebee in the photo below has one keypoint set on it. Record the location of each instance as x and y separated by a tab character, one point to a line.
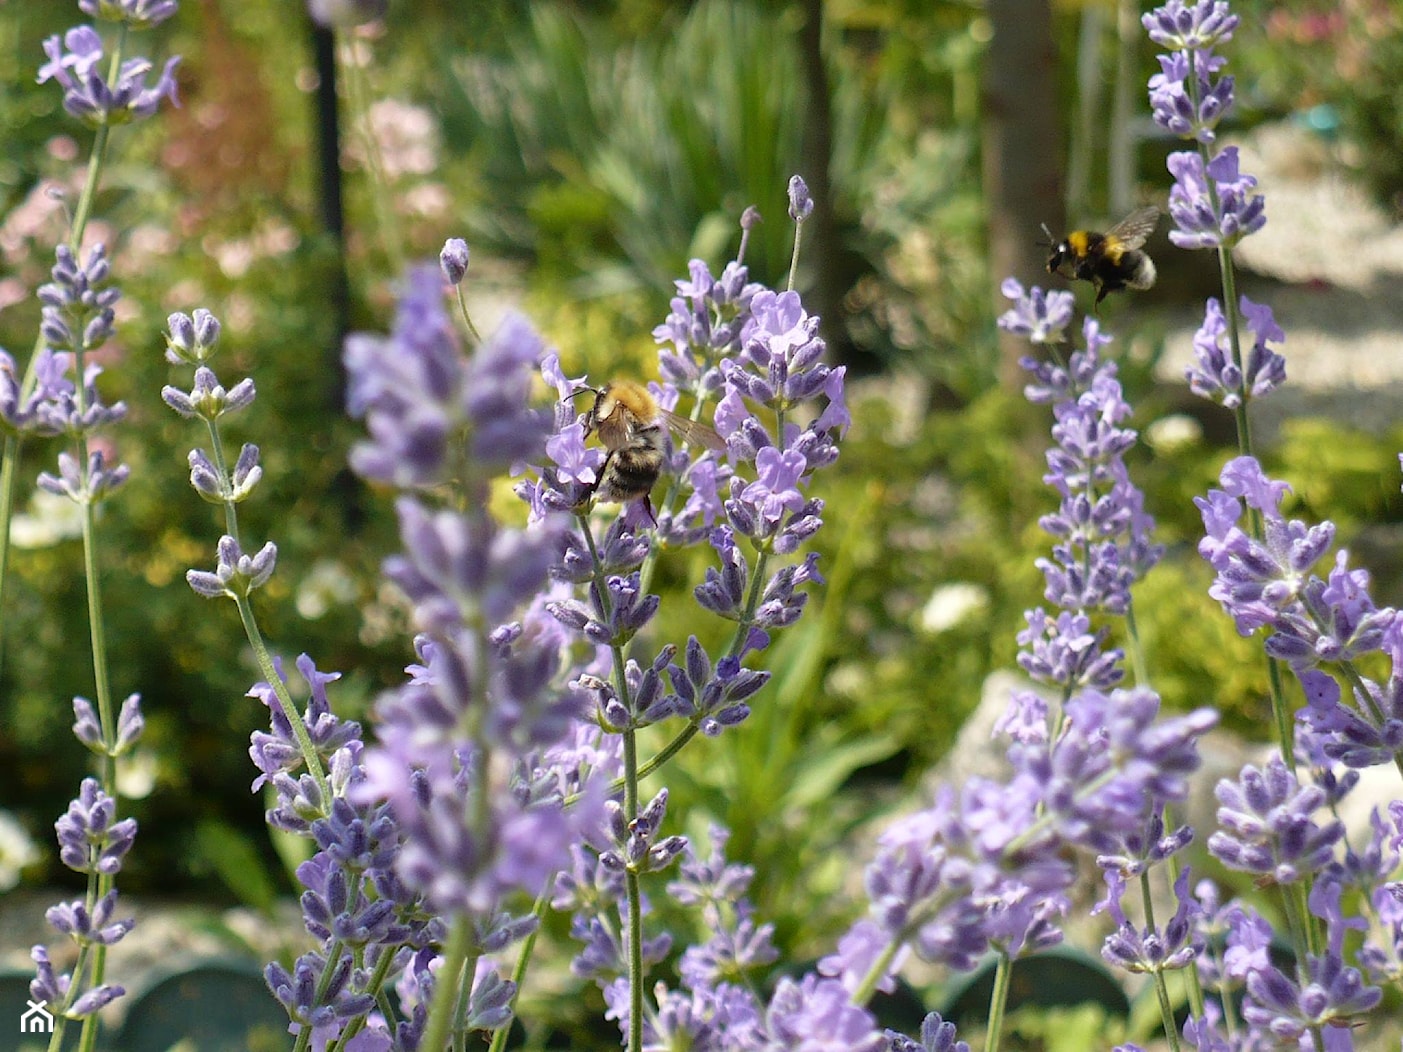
633	428
1110	261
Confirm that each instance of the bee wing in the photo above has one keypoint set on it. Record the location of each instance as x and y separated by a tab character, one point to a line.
1132	231
693	431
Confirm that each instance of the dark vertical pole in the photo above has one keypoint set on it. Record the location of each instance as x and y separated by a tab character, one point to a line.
1022	151
345	490
328	139
820	229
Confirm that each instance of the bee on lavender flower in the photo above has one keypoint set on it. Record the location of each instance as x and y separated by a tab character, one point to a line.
633	428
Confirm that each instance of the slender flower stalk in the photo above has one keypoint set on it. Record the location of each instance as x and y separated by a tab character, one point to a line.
1103	547
58	395
757	355
1213	206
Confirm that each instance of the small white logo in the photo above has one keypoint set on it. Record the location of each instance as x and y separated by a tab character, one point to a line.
36	1019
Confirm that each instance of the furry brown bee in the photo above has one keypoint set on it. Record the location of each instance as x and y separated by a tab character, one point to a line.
633	428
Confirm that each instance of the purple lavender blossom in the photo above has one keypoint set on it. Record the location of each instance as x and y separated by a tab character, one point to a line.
1113	763
488	685
191	340
130	725
90	839
1363	735
236	574
277	750
1066	653
937	1035
714	699
816	1015
706	1020
453	260
1185	100
1329	994
780	360
1185	97
207	399
1269	827
801	202
83	486
942	869
138	14
76	62
1269	583
1144	848
775	490
1151	949
1195	26
53	988
314	995
42	411
704	326
860	949
1214	375
95	926
78	303
1101	527
409	388
1041	316
1200	220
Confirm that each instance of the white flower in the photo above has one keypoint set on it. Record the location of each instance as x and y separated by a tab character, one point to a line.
950	604
17	850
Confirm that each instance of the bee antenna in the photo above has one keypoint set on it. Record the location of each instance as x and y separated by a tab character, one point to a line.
1047	234
581	389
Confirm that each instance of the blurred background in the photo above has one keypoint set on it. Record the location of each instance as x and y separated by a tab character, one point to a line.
587	150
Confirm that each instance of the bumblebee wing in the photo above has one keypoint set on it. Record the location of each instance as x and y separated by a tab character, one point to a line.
1132	231
693	431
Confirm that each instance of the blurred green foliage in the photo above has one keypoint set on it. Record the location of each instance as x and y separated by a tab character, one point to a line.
588	150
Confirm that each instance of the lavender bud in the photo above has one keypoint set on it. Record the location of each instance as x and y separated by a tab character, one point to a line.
204	478
85	726
246	473
801	205
191	341
454	260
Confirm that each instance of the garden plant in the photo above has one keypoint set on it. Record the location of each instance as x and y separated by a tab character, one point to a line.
518	774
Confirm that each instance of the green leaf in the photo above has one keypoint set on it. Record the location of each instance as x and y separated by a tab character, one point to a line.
236	861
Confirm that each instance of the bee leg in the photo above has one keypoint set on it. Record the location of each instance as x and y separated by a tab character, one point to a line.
648	507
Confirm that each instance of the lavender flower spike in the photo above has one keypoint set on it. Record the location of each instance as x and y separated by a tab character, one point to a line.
1268	825
1041	316
87	94
236	574
1190	27
1215	376
1198	222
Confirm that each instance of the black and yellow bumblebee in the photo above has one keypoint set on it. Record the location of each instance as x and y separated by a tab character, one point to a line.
1110	261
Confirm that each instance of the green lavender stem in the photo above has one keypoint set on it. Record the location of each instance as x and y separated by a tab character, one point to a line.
1166	1007
523	961
455	955
998	1001
1281	713
285	703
